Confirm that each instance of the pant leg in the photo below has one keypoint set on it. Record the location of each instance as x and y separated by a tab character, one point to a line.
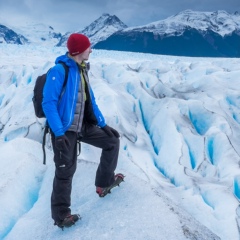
95	136
65	167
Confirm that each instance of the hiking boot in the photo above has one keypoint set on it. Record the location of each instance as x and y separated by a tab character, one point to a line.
102	192
68	221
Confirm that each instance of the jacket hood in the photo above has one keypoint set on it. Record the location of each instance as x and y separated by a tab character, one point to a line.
67	60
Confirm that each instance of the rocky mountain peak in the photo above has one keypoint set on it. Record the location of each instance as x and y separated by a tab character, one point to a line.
99	30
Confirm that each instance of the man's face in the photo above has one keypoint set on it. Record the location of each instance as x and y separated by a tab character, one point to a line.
85	54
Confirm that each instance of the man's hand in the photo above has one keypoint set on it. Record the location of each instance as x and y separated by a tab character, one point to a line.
111	132
62	143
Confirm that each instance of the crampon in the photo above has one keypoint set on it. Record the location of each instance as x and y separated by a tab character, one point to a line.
102	192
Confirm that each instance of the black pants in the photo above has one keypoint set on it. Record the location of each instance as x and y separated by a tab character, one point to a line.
66	164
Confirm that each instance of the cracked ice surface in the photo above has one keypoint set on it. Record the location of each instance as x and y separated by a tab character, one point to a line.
179	124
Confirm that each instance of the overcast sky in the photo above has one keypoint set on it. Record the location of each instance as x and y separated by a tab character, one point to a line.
70	15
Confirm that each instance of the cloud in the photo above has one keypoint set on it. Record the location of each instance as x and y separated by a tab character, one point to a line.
70	15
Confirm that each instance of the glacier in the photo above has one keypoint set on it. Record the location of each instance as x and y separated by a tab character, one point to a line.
179	121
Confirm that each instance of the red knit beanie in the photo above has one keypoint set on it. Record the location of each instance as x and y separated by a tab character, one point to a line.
77	43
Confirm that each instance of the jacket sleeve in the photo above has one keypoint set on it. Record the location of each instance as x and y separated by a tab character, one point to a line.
51	94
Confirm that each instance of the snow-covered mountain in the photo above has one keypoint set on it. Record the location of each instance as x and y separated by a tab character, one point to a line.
220	22
38	33
30	33
189	33
7	35
99	30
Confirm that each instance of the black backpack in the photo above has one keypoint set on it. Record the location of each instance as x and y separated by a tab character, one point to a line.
37	101
38	91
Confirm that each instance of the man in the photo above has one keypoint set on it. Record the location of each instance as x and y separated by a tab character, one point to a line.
73	115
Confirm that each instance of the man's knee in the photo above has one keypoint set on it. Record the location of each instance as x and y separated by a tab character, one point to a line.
112	143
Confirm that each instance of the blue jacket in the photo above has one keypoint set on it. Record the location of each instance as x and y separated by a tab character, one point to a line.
60	114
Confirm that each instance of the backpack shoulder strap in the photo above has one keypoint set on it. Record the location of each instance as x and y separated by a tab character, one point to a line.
46	131
66	68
